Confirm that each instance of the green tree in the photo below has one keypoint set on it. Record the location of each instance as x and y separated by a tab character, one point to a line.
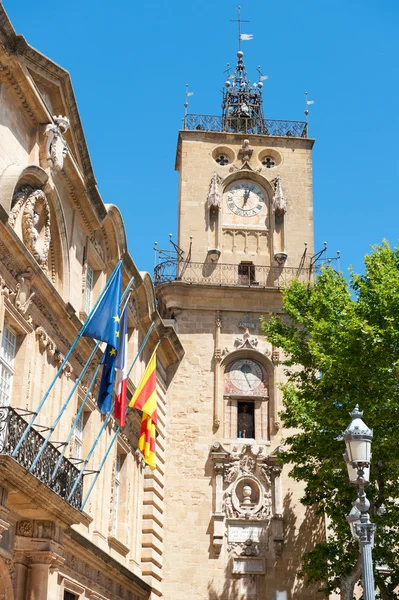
340	341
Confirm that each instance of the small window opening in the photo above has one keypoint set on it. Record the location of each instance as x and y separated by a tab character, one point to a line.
245	419
268	162
222	160
246	273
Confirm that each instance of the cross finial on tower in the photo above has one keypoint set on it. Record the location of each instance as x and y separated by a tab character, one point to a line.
241	36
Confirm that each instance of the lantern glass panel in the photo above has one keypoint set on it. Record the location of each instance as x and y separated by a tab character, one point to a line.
359	451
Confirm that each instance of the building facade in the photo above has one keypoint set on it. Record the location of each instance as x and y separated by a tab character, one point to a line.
58	244
234	525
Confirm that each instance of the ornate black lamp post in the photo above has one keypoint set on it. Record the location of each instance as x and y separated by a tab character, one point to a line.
358	457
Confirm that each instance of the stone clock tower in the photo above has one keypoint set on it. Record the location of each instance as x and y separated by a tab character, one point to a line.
233	526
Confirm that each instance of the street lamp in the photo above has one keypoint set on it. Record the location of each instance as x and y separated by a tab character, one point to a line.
358	457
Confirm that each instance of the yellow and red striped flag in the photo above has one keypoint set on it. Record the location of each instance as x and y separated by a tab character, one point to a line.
145	396
147	441
145	399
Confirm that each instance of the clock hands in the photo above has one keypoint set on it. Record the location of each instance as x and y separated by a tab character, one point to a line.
249	385
246	196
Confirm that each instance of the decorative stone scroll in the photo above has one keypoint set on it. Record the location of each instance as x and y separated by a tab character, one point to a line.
247	499
21	297
30	217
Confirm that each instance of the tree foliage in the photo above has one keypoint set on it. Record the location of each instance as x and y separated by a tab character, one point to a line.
340	340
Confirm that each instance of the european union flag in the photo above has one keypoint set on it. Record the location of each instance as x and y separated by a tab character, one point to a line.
104	322
104	401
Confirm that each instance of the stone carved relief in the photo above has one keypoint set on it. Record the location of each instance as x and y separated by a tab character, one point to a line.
11	570
57	148
245	493
30	217
246	341
279	203
21	297
214	195
25	528
47	345
245	152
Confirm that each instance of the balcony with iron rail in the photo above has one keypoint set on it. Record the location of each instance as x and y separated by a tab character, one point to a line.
12	426
238	275
247	126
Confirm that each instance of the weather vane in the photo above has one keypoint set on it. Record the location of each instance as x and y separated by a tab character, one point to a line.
307	103
188	94
241	36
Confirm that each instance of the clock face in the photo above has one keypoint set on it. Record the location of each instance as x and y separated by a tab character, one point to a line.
245	375
245	199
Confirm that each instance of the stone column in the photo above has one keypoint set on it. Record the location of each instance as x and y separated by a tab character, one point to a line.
218	516
217	412
21	562
43	575
4	511
278	512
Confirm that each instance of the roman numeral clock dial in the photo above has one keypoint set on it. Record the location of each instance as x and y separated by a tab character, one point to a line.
245	199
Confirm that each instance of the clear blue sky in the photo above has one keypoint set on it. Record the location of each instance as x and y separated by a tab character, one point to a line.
129	62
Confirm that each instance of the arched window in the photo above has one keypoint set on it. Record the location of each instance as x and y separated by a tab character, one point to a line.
246	400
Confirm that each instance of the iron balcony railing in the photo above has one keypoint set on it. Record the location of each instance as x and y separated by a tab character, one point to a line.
224	274
249	125
12	426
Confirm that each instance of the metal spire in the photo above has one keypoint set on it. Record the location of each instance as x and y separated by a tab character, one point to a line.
242	102
239	21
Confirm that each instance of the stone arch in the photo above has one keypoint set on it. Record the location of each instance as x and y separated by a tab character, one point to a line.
146	296
59	254
265	362
252	176
6	585
48	242
16	175
114	233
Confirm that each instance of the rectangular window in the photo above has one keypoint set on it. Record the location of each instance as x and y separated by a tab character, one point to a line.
117	487
78	437
88	290
70	596
245	419
7	356
246	273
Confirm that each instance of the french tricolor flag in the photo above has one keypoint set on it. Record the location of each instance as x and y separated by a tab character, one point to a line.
121	371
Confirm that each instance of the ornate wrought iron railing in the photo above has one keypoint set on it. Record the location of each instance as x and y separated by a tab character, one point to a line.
12	426
250	126
244	275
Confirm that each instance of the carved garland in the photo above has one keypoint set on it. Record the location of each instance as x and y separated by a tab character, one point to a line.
33	207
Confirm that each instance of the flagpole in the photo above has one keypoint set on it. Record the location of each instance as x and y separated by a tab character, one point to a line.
98	471
93	447
57	466
46	395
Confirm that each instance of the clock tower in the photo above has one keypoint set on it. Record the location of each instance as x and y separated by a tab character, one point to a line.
233	525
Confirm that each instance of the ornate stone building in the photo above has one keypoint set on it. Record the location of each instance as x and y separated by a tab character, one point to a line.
234	527
58	244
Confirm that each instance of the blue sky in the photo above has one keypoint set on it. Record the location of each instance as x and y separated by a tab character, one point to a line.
130	61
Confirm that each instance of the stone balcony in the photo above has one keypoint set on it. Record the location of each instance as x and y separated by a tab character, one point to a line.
14	471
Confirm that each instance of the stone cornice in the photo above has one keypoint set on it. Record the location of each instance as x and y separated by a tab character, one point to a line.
213	297
93	552
16	46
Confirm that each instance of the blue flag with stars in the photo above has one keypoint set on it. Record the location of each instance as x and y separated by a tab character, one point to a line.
104	401
103	324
